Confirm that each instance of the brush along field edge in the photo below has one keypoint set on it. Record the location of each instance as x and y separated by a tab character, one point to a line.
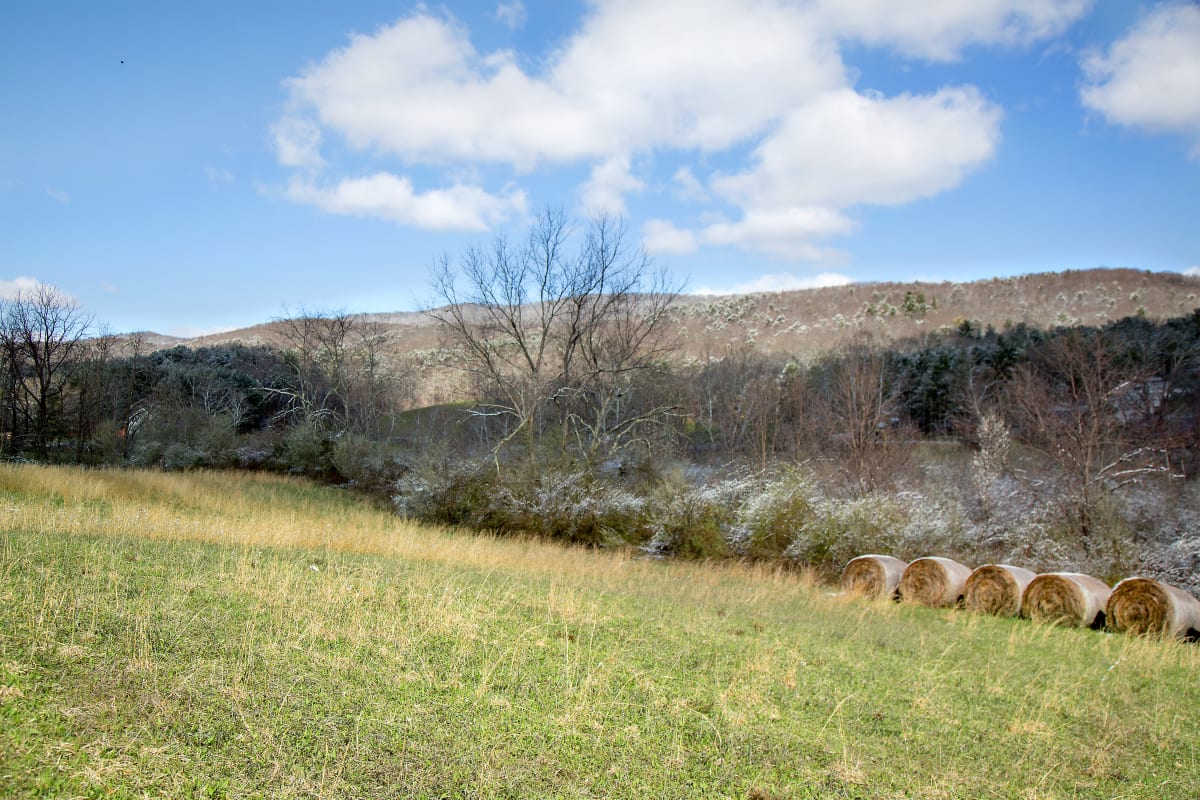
997	589
1070	598
872	576
1144	605
933	581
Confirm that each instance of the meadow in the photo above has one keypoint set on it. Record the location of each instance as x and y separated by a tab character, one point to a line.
242	635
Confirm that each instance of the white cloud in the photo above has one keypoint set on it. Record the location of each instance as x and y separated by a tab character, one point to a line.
660	237
688	188
1193	272
938	30
847	148
611	180
637	82
419	89
511	15
58	195
683	75
790	233
22	285
297	142
1151	77
391	197
782	282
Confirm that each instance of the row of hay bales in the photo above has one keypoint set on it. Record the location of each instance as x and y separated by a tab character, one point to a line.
1135	605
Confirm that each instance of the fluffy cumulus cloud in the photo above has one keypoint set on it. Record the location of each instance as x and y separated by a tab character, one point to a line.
604	192
1150	78
750	96
661	237
1193	272
847	148
420	90
387	196
9	289
789	232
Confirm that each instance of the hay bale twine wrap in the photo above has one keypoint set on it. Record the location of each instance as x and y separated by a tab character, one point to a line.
872	576
996	589
1071	598
1144	605
933	581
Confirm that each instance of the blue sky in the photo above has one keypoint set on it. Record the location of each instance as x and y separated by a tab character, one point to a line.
187	167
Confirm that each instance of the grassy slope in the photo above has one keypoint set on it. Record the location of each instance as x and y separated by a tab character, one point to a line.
218	635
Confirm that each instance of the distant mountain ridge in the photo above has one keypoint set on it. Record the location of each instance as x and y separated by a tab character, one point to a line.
804	323
808	320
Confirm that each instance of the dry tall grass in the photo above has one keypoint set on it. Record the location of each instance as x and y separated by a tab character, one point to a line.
265	510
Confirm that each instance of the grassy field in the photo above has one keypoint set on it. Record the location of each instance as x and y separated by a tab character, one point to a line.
217	635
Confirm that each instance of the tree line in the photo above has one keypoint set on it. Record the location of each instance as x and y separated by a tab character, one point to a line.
569	343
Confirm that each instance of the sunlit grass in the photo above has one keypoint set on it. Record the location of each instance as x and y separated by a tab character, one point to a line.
216	635
253	510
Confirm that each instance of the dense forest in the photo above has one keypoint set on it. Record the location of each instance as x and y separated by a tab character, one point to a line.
577	418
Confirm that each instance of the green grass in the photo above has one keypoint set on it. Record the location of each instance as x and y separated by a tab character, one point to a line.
197	660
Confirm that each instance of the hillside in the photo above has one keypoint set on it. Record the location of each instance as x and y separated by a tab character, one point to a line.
815	320
807	322
811	320
231	635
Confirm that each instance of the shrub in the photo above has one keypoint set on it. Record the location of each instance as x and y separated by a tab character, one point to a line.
186	440
571	507
460	495
769	519
367	464
838	530
698	522
692	529
306	448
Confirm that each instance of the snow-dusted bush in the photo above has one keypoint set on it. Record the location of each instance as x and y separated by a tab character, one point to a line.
1176	562
574	507
695	520
566	506
770	516
840	529
792	514
934	525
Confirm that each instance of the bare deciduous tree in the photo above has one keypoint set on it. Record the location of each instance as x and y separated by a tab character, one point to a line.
1068	404
559	338
862	413
748	403
41	333
340	379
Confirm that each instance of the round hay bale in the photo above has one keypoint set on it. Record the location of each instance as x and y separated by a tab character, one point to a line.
872	576
1069	598
996	589
1147	606
933	581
